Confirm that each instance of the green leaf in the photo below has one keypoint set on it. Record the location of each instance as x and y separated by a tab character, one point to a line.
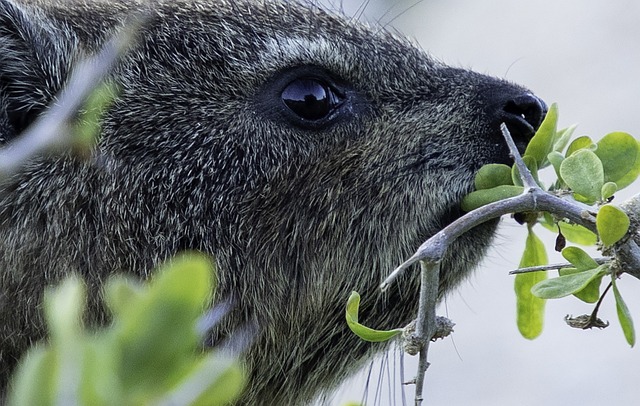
582	262
633	174
533	168
542	143
626	322
568	284
572	232
562	138
530	309
579	258
159	326
34	381
87	128
365	333
492	175
584	175
121	292
481	197
577	234
556	159
608	190
612	224
215	381
580	143
618	152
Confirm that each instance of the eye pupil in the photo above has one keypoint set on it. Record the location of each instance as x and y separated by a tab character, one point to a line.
310	99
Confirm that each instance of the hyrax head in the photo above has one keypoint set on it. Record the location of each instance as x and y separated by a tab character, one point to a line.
308	153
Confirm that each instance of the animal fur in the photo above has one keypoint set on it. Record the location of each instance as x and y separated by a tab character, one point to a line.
200	152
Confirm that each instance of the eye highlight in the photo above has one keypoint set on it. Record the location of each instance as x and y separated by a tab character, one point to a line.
310	99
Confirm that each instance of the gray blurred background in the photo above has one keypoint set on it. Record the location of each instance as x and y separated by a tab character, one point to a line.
585	55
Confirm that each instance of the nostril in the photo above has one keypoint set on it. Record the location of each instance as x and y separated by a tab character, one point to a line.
523	115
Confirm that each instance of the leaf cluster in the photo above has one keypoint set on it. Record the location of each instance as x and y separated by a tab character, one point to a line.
588	173
150	354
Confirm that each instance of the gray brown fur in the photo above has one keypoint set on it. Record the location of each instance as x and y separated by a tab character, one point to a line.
194	155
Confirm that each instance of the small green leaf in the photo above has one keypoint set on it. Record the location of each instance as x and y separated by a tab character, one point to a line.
579	258
572	232
568	284
365	333
542	143
583	173
492	175
577	234
608	190
579	143
618	152
582	262
626	322
481	197
556	159
612	224
562	138
530	309
533	168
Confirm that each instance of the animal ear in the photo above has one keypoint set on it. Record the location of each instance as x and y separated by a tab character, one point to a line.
34	61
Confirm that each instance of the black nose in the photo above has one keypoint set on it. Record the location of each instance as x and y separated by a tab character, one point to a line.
523	114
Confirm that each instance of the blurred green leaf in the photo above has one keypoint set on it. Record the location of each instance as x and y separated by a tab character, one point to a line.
481	197
612	224
530	309
543	141
34	383
583	173
87	129
151	351
365	333
624	315
158	328
568	284
492	175
215	381
618	152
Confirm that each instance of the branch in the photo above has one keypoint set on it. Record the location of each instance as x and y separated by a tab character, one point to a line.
426	322
534	198
552	267
50	131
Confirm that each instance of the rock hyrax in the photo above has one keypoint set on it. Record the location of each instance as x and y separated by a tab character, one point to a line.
307	152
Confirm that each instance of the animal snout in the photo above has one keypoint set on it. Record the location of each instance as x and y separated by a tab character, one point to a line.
523	114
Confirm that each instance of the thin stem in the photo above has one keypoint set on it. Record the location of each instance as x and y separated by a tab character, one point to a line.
426	320
552	267
594	314
525	174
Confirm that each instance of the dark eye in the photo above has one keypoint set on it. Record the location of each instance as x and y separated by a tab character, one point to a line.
310	99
